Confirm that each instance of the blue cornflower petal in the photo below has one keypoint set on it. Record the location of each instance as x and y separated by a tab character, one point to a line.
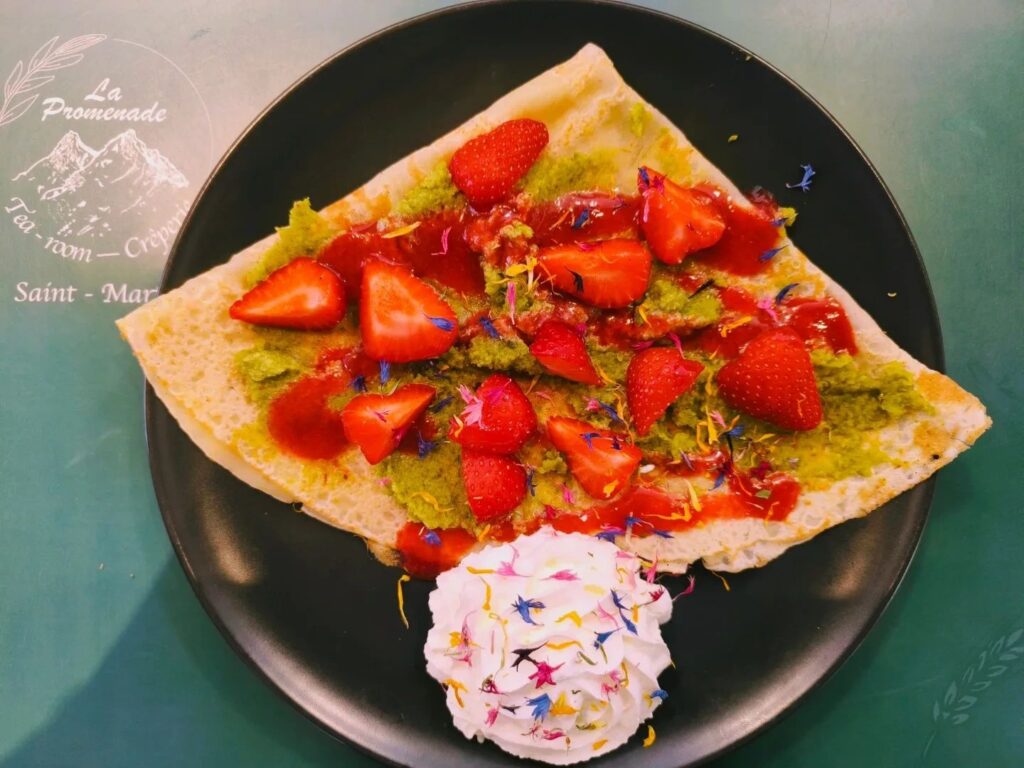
440	405
805	183
488	326
784	292
541	706
431	538
577	281
442	322
523	606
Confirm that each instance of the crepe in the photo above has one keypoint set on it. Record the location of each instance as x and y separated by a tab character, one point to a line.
186	343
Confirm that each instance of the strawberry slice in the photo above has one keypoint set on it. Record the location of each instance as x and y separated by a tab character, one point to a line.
426	553
655	378
600	460
559	348
675	220
303	295
773	379
494	484
377	423
609	274
486	168
506	418
401	317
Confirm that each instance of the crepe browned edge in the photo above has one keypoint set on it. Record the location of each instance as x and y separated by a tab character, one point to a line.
186	343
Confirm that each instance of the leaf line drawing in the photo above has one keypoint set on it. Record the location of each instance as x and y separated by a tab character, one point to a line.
963	693
23	79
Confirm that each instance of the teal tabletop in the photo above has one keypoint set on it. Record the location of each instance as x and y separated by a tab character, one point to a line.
106	657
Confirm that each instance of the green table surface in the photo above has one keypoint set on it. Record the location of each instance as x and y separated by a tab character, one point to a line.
107	659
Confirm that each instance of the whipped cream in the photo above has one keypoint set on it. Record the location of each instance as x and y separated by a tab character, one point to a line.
549	646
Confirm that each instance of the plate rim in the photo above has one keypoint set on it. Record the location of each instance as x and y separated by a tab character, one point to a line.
152	406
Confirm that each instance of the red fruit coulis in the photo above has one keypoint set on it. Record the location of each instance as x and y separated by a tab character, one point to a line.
302	422
749	234
448	247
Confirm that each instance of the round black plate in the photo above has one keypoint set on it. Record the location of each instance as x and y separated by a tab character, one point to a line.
309	607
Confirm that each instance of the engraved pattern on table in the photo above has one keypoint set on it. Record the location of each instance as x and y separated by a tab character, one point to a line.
48	58
962	694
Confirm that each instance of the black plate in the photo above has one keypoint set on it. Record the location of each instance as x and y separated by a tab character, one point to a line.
306	604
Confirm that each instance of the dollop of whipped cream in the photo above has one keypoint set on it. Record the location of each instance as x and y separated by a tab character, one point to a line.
549	646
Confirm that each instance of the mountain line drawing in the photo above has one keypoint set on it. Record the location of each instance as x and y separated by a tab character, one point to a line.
85	188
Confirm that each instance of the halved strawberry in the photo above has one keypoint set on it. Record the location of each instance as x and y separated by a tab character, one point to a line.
303	295
401	317
506	418
609	274
425	553
600	460
559	348
495	484
377	423
655	378
675	220
486	168
773	379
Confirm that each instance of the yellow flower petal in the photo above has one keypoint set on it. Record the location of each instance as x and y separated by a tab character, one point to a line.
573	617
401	599
401	231
651	736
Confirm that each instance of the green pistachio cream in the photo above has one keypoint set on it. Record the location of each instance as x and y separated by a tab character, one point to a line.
859	397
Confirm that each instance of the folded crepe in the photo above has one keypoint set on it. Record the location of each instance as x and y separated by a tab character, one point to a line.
187	345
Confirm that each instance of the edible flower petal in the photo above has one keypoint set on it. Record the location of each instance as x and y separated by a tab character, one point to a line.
488	326
431	537
444	242
689	587
805	183
524	606
766	305
784	292
510	298
401	231
581	219
424	446
602	637
508	567
441	404
651	736
771	253
531	482
473	412
577	281
719	480
594	405
703	287
568	495
541	706
523	654
543	674
401	599
442	322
